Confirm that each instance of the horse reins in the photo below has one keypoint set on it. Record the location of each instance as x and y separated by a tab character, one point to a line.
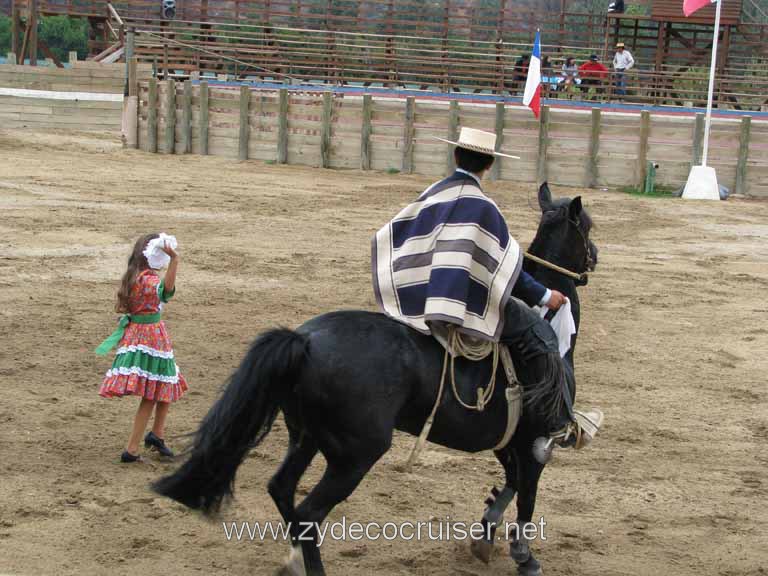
587	254
565	271
554	267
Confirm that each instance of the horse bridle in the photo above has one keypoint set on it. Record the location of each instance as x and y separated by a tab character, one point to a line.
588	262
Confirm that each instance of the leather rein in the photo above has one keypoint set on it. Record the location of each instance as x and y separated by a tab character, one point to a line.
564	271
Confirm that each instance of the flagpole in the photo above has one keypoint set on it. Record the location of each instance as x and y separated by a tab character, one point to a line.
713	66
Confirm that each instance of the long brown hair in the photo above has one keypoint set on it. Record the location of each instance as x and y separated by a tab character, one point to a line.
137	262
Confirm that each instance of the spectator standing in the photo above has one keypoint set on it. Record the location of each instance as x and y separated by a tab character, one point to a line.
622	62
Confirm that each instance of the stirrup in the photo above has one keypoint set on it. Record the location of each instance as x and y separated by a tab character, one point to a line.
582	430
577	433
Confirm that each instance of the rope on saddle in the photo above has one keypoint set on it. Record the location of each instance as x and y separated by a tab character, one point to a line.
474	350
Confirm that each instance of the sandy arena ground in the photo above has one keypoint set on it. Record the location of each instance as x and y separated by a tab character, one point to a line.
673	349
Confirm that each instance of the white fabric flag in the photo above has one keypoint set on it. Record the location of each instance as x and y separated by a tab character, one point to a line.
156	258
563	325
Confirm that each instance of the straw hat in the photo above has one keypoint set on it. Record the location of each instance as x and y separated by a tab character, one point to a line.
620	45
477	141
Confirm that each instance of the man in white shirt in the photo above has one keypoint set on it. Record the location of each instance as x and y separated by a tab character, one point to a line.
622	61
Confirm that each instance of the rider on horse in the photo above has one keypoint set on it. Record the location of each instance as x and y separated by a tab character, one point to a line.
447	261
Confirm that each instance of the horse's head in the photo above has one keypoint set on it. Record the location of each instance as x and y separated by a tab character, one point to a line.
563	234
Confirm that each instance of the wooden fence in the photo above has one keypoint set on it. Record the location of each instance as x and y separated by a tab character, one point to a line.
87	96
568	147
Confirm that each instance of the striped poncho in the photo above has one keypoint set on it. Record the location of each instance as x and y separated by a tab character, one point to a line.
447	258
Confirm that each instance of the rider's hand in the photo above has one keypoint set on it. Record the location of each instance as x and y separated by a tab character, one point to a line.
556	300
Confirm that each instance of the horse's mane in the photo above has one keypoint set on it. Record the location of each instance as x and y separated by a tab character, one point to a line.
549	394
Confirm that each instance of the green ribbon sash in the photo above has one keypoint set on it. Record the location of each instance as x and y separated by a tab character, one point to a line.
117	335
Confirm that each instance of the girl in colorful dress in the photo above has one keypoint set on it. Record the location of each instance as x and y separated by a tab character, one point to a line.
144	364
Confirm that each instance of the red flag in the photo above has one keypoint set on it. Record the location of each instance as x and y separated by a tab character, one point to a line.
690	6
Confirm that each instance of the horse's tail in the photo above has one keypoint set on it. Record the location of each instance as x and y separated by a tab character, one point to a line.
238	421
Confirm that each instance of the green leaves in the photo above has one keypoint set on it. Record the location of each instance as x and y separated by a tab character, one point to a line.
5	34
63	34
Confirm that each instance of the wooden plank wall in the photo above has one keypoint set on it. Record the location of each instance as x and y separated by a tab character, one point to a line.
81	77
42	112
582	148
757	163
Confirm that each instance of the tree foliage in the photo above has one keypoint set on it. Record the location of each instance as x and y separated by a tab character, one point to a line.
62	34
5	34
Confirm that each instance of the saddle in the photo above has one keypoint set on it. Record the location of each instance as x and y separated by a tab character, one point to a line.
474	349
577	433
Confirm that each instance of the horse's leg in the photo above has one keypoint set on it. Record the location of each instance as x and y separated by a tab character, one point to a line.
528	473
346	468
497	503
282	488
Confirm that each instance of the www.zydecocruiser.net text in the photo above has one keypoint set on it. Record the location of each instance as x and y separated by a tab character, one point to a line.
344	531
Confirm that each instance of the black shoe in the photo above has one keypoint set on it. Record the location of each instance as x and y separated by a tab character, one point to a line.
151	440
126	457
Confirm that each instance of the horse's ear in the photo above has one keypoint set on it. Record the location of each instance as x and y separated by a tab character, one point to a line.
545	198
574	209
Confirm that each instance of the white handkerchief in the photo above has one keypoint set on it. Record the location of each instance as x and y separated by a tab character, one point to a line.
154	254
563	325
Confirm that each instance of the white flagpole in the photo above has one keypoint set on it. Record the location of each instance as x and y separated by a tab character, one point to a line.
713	66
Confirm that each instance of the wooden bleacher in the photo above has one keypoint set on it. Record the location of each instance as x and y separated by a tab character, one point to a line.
445	45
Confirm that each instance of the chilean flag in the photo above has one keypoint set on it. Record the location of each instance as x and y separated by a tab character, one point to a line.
690	6
532	94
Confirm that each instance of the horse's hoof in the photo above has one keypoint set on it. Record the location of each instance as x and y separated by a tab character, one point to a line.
482	550
530	568
520	551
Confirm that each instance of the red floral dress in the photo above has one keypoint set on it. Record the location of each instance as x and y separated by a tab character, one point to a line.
144	364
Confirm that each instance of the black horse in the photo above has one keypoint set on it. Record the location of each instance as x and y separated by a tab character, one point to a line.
346	380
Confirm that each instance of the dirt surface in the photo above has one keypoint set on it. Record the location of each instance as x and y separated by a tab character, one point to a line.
673	349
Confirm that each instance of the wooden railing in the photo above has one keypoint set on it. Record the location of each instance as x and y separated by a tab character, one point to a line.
449	64
444	20
424	45
439	18
671	88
